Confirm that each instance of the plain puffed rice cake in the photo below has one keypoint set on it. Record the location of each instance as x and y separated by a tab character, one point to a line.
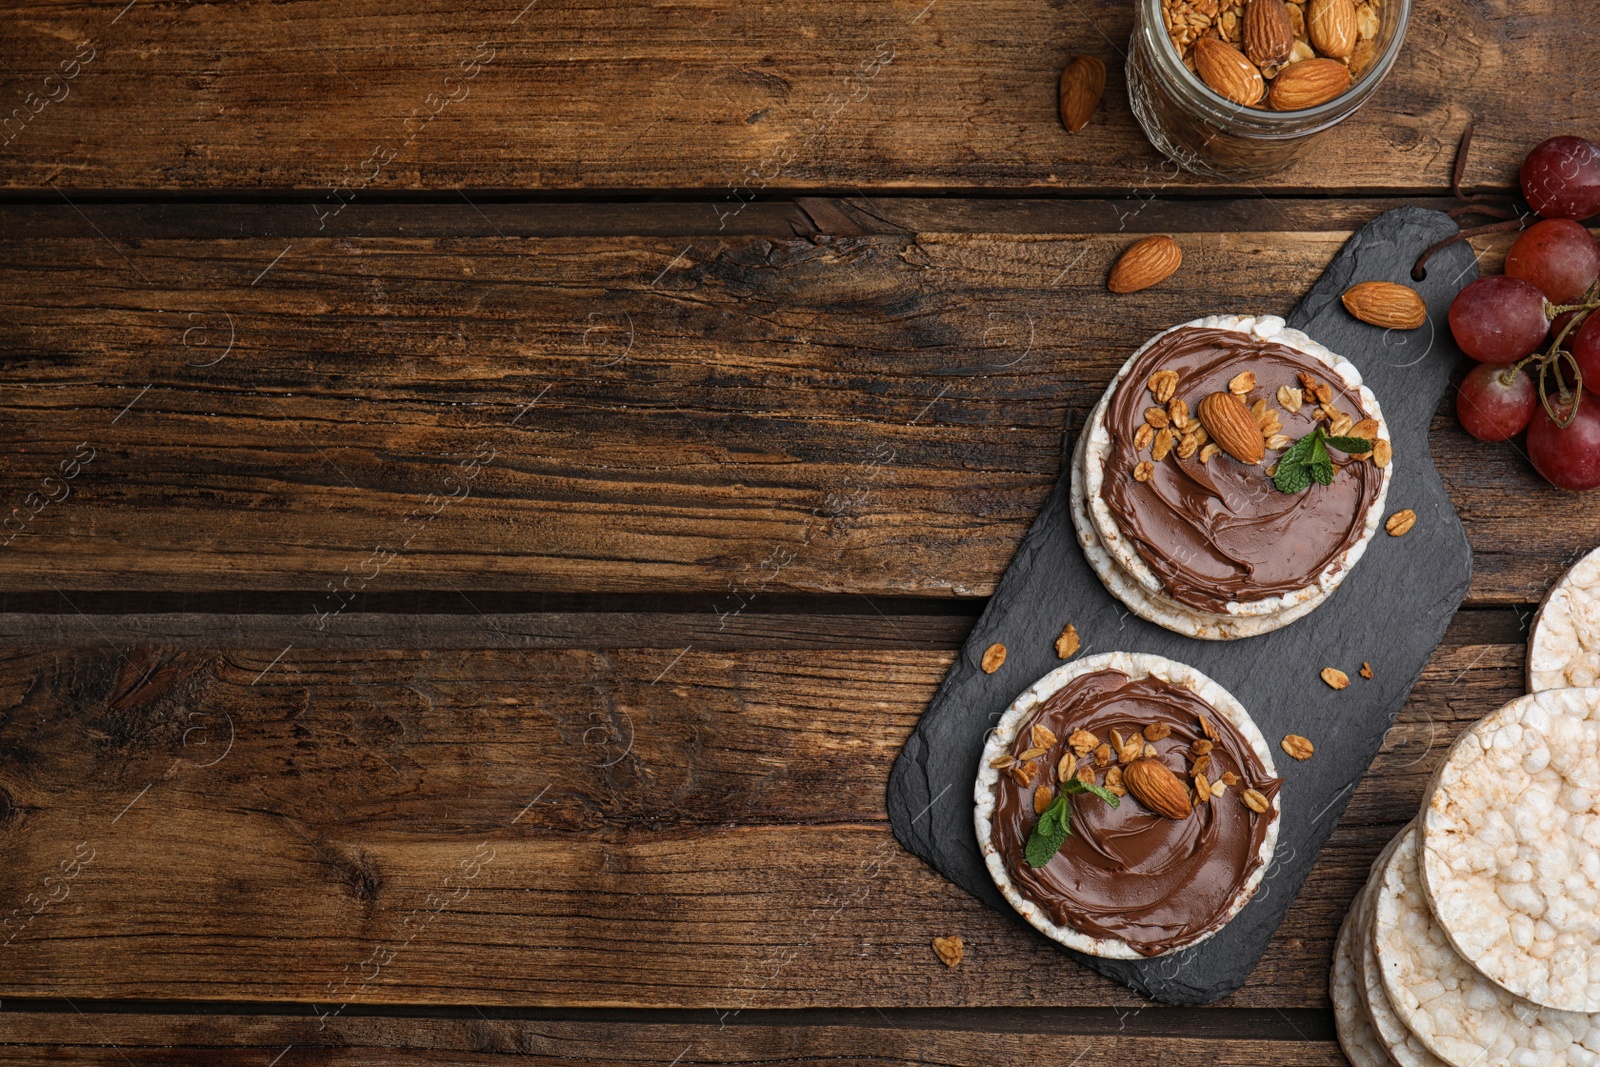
1405	1048
1564	645
1464	1018
1511	847
1353	1022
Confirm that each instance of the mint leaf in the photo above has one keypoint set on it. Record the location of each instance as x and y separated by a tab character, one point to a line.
1352	445
1074	785
1291	479
1055	825
1322	472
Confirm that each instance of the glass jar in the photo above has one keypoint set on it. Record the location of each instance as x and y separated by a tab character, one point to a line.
1211	135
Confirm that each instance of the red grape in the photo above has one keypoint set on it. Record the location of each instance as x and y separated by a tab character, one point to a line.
1498	319
1558	256
1491	410
1585	348
1561	178
1570	458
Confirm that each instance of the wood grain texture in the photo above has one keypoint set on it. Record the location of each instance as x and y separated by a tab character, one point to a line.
728	98
728	416
636	828
898	1038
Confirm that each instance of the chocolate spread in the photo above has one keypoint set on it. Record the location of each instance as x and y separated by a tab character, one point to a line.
1220	531
1126	872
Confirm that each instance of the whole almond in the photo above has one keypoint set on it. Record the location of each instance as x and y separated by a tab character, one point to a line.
1387	304
1268	32
1154	785
1307	84
1083	83
1232	427
1144	264
1332	26
1229	74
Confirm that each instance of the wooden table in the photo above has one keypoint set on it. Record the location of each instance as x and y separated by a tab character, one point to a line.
492	487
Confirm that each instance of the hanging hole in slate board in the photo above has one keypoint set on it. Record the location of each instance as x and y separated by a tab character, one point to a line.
1392	610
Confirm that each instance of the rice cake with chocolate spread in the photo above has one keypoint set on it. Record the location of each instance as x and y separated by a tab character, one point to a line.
1213	534
1128	883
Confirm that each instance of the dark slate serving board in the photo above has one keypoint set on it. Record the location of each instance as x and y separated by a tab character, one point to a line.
1392	610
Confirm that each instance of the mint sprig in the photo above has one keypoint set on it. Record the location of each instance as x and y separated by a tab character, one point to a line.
1055	824
1307	460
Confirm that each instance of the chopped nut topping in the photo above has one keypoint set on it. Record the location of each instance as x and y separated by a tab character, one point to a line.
1366	429
1290	398
1242	383
1086	774
1082	742
1143	436
949	949
1271	425
1202	789
1148	751
1163	383
1002	762
993	656
1114	784
1366	669
1164	441
1067	644
1401	522
1032	753
1024	774
1041	736
1178	412
1218	788
1255	801
1143	471
1277	442
1188	446
1209	453
1335	677
1200	746
1042	798
1258	411
1230	779
1157	418
1132	749
1341	425
1198	432
1298	747
1201	765
1066	766
1206	727
1157	731
1102	754
1382	452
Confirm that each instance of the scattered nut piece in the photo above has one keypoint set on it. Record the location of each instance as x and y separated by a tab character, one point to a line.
1202	788
1163	383
1255	801
1114	784
1032	753
1042	798
1242	383
1206	727
1132	749
1066	766
1157	731
1230	779
1143	436
1164	441
1143	471
1102	754
1382	452
1258	411
1086	774
993	657
1002	762
1188	446
1400	523
1082	742
1290	398
1298	747
1145	263
1366	669
1366	429
1083	82
1041	736
1201	765
1200	746
1024	774
1157	417
1335	678
1218	788
1148	751
949	949
1341	425
1178	412
1116	740
1067	644
1209	453
1277	442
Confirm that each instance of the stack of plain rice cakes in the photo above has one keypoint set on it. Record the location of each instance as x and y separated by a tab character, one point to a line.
1476	940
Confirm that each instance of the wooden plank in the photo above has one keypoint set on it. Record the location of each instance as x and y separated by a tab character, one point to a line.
979	1039
731	99
731	416
600	828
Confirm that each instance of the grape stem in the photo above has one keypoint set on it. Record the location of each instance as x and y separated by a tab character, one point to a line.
1550	361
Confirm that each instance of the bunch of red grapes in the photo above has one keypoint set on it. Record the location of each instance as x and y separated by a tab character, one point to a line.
1543	301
